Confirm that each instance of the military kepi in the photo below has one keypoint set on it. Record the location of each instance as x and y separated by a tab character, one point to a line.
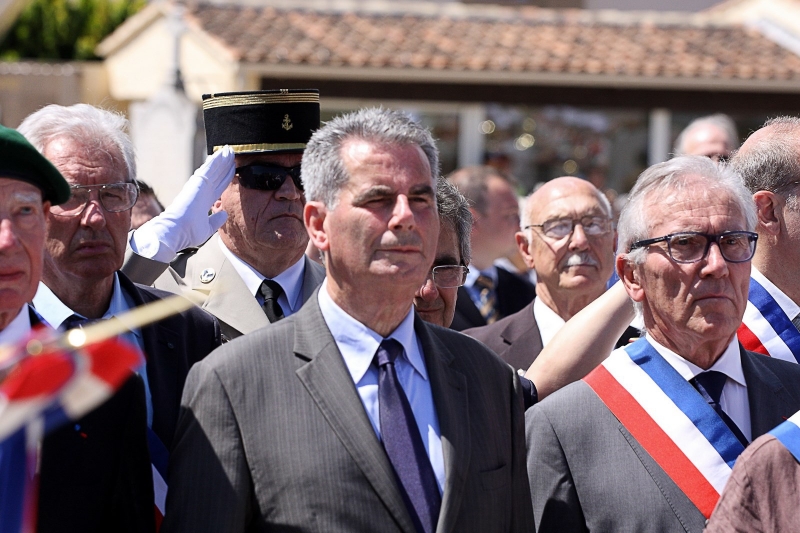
20	160
279	120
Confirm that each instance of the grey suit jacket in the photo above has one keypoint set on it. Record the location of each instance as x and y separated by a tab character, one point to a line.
224	295
516	338
588	473
273	437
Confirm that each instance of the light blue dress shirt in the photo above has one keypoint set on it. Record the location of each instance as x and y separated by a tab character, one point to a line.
358	344
55	312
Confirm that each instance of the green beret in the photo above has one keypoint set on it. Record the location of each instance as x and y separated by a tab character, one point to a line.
20	160
277	121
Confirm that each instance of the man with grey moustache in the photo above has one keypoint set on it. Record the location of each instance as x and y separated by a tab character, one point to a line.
568	239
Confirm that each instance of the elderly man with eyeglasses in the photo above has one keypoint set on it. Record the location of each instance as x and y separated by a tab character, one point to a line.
647	440
568	239
84	249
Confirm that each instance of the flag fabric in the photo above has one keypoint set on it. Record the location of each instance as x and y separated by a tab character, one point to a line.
40	393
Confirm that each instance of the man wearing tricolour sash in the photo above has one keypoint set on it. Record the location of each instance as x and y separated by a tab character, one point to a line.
769	163
647	441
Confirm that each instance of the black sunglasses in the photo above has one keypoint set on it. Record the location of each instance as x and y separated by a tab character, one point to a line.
267	177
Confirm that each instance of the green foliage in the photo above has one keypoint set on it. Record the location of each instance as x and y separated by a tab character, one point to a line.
64	29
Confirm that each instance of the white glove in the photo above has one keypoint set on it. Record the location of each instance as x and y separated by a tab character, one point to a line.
186	222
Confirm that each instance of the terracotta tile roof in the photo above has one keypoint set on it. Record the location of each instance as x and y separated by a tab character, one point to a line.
530	40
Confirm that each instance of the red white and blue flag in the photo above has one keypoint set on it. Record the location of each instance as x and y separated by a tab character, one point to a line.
766	327
39	394
669	419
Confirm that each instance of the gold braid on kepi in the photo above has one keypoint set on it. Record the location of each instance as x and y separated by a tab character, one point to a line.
278	121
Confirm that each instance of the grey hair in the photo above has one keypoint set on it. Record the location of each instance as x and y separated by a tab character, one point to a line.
472	183
771	163
664	180
723	122
454	210
323	171
95	128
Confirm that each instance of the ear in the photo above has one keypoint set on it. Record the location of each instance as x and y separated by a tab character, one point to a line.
216	207
522	245
769	208
314	215
631	280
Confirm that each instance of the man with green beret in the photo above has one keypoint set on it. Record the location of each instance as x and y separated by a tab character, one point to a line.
253	271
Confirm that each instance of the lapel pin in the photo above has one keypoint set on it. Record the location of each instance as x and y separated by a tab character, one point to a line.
207	275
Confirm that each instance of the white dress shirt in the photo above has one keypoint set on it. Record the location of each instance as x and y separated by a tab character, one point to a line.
734	393
547	320
55	312
16	329
358	345
290	280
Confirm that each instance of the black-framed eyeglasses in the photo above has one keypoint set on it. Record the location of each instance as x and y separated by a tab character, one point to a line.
114	197
268	177
692	246
558	228
449	276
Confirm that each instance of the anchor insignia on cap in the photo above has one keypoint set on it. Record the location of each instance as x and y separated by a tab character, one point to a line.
287	124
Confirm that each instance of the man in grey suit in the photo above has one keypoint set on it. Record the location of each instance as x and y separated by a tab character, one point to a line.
354	414
647	441
253	271
568	239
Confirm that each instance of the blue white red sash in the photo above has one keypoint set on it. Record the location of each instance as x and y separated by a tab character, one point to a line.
669	419
789	434
765	327
159	457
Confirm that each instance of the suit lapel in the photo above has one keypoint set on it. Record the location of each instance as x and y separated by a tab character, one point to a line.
770	403
228	297
522	331
449	388
331	387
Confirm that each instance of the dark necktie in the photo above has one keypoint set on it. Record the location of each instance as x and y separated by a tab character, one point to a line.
488	298
709	384
270	290
75	321
796	322
403	444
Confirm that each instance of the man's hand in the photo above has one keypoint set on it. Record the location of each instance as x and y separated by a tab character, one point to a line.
186	221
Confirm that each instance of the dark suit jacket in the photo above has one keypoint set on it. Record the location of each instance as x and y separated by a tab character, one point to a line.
588	473
95	473
517	340
171	346
273	436
513	293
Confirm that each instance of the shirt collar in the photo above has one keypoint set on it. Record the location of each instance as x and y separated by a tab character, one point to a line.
55	312
358	343
730	363
784	302
548	321
290	280
17	328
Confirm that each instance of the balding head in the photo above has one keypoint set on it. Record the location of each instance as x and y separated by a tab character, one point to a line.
769	163
713	136
572	261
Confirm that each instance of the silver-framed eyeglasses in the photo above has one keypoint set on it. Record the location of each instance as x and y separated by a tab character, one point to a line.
449	276
114	197
558	228
693	246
